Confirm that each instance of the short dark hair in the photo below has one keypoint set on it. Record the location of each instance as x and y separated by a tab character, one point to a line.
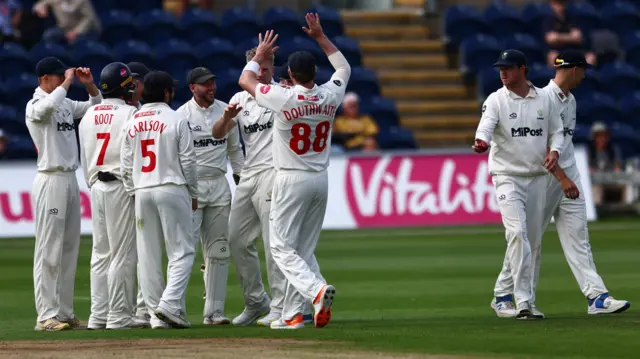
117	93
151	94
303	78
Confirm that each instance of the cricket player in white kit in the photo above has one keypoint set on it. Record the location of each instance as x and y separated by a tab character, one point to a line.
113	257
211	219
521	122
159	168
49	118
301	146
565	204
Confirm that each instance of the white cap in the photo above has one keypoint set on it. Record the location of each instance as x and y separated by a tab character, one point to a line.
351	96
2	135
598	127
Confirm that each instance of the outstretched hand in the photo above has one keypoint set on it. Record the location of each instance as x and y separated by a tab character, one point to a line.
314	28
232	110
266	47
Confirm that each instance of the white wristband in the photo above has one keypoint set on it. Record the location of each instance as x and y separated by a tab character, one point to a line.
252	66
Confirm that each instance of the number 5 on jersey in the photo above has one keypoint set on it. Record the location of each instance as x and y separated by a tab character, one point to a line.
300	142
147	153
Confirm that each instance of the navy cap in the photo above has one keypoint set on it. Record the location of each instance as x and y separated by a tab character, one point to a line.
571	58
302	62
50	66
200	75
138	69
510	58
159	79
283	73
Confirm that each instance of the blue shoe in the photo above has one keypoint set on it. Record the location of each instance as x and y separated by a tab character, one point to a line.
606	304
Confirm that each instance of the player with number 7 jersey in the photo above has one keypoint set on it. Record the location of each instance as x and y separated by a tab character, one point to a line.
301	148
159	168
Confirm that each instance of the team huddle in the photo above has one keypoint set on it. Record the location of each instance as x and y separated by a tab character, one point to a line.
158	176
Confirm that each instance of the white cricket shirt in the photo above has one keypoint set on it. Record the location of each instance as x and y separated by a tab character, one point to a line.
255	124
158	150
566	105
211	153
101	132
519	131
304	118
49	119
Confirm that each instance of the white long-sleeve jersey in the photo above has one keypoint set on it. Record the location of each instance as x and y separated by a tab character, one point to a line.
255	124
566	105
212	153
304	118
101	133
519	131
49	119
158	150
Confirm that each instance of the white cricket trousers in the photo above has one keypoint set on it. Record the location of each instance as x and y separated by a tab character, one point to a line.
210	226
571	224
113	258
57	207
298	206
249	219
163	214
521	201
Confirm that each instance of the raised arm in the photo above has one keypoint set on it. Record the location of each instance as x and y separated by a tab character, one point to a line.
85	78
41	109
337	60
249	78
228	120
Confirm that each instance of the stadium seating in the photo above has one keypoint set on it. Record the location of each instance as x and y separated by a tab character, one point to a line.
240	24
630	108
286	22
534	15
156	26
478	52
217	54
93	55
197	26
621	17
133	50
176	57
598	107
118	25
331	20
461	22
15	60
503	20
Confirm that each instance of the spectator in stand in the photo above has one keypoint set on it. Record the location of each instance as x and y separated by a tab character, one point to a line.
3	145
74	18
352	130
10	16
560	33
604	156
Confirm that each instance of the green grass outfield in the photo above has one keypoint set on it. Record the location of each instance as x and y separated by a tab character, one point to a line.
404	290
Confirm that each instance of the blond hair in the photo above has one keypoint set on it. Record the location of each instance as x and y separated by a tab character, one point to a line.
252	52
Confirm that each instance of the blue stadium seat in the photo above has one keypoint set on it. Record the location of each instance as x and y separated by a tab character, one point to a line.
504	20
11	123
118	25
136	5
532	49
625	137
488	81
21	148
228	85
157	26
240	24
478	52
198	26
363	82
182	92
582	133
286	22
585	16
78	92
134	50
630	108
14	59
241	48
460	23
619	79
20	88
323	75
104	6
540	75
590	84
43	49
631	43
621	17
330	18
534	15
396	138
597	107
384	111
176	57
93	55
217	55
350	49
300	43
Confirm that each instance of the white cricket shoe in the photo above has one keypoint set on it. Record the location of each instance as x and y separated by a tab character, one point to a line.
248	316
536	312
268	319
133	323
504	307
175	321
322	306
96	324
295	323
606	304
158	324
525	312
51	325
216	319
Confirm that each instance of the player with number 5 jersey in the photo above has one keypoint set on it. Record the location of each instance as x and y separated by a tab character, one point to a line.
159	168
113	257
301	147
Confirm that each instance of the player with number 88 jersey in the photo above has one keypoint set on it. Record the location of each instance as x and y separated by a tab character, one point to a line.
301	147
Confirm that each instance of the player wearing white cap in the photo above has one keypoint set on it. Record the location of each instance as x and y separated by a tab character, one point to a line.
159	168
113	257
301	147
565	204
49	117
211	219
521	123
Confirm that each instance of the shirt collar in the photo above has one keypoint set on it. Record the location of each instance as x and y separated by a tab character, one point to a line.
532	92
564	98
40	92
154	105
304	89
195	105
115	101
